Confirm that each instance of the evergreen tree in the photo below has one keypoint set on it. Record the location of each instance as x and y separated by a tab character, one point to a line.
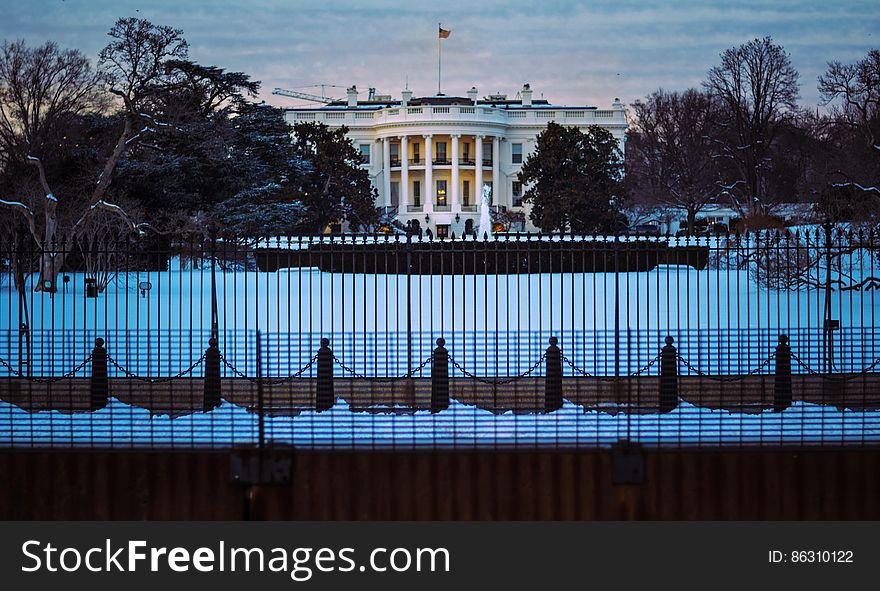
574	180
333	186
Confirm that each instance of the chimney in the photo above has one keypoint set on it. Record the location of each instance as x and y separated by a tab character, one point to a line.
526	95
353	96
406	97
472	94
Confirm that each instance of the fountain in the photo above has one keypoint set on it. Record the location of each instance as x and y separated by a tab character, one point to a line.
485	230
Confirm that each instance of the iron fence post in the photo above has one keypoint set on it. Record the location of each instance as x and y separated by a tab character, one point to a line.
324	395
668	376
440	377
211	398
782	379
553	377
99	387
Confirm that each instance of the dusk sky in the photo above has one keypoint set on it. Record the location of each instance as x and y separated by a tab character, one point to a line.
571	52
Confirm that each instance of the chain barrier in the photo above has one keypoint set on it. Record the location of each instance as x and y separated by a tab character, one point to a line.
587	374
831	376
270	381
736	378
161	380
359	376
69	374
500	382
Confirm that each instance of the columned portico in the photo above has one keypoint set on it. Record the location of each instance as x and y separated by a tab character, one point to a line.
429	174
404	173
456	204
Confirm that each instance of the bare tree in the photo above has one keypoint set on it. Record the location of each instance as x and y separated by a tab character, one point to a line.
758	87
133	64
853	93
670	152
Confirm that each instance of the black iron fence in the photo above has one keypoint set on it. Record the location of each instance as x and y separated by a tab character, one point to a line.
516	340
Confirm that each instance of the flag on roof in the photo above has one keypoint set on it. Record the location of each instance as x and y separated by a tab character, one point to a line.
444	34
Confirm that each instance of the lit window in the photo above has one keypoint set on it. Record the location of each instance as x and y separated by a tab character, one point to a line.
441	192
442	230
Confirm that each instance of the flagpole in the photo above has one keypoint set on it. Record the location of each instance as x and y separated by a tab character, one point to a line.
438	57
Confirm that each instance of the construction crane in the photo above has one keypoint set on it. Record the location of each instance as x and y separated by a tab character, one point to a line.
314	98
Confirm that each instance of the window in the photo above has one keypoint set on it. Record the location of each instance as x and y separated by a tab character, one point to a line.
395	154
442	230
441	192
441	153
415	150
395	193
516	194
466	153
417	193
365	153
466	193
487	153
516	153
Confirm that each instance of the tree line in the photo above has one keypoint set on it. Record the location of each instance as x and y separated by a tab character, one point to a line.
740	139
148	144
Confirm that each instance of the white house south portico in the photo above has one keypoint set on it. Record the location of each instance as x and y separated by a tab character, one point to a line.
429	156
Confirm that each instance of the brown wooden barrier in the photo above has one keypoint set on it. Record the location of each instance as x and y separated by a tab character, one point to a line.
839	484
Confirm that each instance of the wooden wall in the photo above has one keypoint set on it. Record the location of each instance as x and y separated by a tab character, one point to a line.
715	485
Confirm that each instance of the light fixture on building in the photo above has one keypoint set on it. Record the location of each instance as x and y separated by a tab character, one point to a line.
457	218
427	218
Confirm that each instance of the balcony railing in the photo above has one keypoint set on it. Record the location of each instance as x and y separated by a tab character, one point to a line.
487	162
395	161
442	161
413	208
416	161
442	207
467	161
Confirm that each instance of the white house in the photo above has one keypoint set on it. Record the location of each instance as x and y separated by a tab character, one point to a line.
428	156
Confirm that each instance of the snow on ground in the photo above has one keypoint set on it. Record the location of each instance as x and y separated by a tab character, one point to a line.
120	425
496	325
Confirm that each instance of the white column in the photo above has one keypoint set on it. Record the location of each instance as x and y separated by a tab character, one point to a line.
429	175
478	181
456	206
386	171
404	174
496	170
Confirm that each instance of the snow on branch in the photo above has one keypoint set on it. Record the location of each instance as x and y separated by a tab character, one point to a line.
17	205
856	185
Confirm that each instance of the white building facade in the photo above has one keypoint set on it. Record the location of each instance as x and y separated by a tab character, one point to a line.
429	156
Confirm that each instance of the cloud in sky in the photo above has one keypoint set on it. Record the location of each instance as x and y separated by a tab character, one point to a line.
572	52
